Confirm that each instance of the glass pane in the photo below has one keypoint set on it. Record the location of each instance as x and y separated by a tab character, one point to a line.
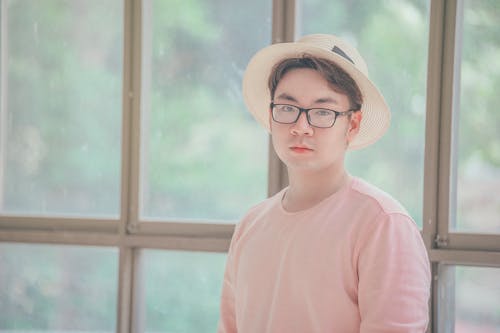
60	107
392	37
180	291
477	299
478	154
203	154
47	288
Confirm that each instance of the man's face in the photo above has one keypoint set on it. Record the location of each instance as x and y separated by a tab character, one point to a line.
301	146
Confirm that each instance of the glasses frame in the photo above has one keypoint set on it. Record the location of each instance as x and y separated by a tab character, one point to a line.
306	111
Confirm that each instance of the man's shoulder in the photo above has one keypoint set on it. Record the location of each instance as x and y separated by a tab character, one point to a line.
258	211
376	198
264	205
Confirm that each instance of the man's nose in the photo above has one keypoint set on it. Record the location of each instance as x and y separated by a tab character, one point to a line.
302	126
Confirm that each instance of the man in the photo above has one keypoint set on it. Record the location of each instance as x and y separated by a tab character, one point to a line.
330	252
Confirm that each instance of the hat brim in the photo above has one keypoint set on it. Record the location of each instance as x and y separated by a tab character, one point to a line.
375	112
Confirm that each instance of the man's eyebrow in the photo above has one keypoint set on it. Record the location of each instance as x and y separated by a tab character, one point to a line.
287	97
290	98
326	100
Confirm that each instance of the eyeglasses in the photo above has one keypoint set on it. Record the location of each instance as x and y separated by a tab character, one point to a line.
316	117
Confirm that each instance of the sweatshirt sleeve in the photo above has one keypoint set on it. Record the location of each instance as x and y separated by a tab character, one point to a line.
227	318
394	277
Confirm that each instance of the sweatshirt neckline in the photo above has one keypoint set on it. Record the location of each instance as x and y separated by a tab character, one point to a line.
348	184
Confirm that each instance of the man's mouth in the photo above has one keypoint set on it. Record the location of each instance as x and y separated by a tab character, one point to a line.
300	149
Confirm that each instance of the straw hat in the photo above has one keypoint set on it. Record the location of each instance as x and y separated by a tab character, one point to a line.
257	97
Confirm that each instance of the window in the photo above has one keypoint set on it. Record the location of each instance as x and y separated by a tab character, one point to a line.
126	153
58	287
193	122
61	99
178	291
469	299
477	139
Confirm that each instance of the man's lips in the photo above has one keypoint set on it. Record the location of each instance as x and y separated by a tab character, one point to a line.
300	149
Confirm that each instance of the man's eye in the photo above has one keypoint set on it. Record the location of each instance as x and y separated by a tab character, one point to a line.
287	108
323	113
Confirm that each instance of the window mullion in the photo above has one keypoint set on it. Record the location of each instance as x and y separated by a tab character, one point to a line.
444	16
125	290
130	160
438	149
283	21
447	188
3	94
431	156
131	115
431	167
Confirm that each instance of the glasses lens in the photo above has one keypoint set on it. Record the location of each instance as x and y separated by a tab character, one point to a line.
322	117
286	114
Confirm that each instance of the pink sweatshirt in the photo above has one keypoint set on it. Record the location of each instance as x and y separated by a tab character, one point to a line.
355	262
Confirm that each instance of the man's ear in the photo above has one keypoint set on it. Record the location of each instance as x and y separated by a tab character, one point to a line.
354	124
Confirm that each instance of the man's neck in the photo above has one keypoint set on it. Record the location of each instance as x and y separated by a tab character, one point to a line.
308	189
